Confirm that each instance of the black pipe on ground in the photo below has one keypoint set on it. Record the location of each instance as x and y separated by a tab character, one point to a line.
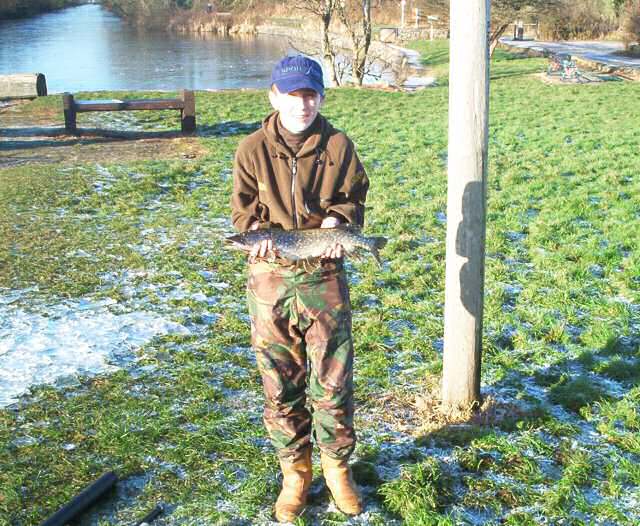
82	501
151	516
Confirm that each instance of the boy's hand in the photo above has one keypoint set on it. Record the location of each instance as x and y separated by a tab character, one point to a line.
335	251
261	249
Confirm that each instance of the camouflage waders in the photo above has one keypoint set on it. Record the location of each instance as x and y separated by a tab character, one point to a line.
301	334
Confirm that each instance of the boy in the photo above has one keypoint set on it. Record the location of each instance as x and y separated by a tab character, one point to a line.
299	172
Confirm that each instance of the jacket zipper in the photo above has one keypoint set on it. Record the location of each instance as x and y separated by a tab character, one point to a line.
294	171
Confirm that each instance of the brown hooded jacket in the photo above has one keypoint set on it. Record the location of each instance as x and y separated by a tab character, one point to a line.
273	186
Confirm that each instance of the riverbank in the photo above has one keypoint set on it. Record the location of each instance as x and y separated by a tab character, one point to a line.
91	241
389	64
26	9
110	54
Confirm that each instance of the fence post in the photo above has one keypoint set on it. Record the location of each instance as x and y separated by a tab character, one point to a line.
69	113
188	115
41	85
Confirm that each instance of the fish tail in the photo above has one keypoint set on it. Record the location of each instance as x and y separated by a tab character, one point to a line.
375	245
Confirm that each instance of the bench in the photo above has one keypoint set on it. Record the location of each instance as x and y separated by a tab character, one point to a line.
186	104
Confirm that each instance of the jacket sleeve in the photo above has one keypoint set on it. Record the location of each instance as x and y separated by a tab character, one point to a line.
352	192
244	199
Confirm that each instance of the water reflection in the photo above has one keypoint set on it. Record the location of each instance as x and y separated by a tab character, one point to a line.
88	48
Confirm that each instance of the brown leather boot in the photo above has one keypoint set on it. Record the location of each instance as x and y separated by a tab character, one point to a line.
337	475
296	481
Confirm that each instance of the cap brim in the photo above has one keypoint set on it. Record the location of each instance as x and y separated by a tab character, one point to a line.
287	85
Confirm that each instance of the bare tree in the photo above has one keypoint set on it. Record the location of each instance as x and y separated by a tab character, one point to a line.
355	18
506	12
324	10
338	71
503	14
355	15
631	24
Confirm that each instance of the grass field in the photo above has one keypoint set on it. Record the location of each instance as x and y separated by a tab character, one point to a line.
557	440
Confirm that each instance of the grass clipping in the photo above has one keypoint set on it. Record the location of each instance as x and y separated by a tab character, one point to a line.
420	414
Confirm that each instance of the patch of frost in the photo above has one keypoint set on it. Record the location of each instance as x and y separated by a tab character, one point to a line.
48	343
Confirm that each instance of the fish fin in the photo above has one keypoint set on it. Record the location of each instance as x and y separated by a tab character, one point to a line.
358	254
350	227
311	265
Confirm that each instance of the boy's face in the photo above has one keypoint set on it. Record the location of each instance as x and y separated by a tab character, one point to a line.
298	109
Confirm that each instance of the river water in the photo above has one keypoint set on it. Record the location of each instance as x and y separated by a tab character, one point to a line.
88	48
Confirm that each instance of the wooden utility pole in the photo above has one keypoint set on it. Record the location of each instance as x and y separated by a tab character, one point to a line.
466	201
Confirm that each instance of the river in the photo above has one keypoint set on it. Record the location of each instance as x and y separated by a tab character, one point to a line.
88	48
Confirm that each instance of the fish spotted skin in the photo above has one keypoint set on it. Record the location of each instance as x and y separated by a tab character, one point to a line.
298	245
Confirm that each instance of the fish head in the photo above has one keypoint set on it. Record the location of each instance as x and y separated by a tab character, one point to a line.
246	240
236	242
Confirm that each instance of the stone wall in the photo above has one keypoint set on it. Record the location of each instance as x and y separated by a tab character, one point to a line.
421	33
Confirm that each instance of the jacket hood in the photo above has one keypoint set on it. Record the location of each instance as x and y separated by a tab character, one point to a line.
316	141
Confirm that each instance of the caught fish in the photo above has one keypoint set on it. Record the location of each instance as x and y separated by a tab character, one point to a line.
299	245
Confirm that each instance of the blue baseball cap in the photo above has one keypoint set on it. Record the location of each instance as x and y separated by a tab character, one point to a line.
297	72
